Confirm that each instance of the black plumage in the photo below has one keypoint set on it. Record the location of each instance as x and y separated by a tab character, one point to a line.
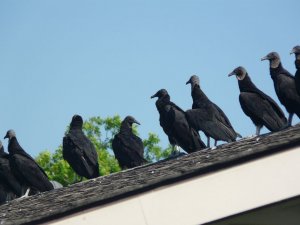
79	151
285	86
10	188
25	169
262	109
128	148
174	123
296	51
208	117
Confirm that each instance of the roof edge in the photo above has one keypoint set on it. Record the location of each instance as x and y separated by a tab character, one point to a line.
230	162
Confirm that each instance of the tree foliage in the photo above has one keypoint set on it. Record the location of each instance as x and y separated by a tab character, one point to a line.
101	132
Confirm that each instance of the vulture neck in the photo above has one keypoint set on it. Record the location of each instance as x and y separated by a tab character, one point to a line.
76	126
246	84
162	101
14	146
274	63
198	94
126	128
275	71
193	85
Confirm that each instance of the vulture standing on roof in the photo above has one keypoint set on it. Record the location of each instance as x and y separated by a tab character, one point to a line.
10	188
174	123
296	51
262	109
208	117
285	86
79	151
25	169
128	148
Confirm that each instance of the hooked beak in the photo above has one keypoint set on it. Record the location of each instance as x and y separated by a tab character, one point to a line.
188	82
153	96
231	74
135	121
6	136
265	58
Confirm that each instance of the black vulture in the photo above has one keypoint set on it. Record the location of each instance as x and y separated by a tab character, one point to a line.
296	51
79	151
285	86
262	109
174	123
128	148
25	169
208	117
10	188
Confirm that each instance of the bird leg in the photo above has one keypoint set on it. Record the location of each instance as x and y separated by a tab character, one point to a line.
290	119
208	141
175	151
216	143
26	193
258	128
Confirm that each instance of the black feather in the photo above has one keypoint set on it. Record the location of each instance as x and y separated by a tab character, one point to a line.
285	88
262	109
10	188
174	122
25	169
128	148
297	74
206	116
79	151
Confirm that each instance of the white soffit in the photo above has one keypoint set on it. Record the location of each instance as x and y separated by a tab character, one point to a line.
203	198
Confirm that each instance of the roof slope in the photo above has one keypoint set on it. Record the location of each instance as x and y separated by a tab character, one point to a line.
60	202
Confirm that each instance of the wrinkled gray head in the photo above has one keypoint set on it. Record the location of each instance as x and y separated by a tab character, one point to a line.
160	93
130	120
240	73
10	134
193	80
273	58
296	51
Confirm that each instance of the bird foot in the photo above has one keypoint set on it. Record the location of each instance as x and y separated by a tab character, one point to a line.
25	195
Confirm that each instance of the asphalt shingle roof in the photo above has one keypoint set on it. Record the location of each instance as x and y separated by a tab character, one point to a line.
102	190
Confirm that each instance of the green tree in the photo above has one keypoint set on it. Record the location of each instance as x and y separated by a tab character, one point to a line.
100	132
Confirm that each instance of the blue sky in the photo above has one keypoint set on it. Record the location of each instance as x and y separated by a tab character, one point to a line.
101	58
